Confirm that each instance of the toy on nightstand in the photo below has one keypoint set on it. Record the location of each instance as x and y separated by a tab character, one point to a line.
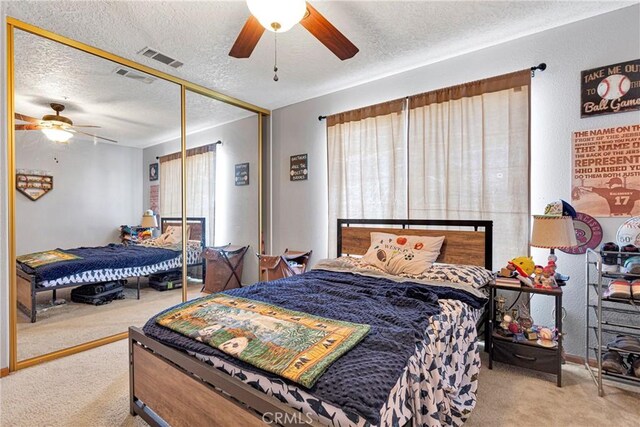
537	275
548	278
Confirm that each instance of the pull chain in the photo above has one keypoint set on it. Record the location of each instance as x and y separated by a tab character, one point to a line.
275	58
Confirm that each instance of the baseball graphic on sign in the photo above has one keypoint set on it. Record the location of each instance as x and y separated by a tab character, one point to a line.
629	232
614	87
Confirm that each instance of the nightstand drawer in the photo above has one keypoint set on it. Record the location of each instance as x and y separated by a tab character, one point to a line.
526	356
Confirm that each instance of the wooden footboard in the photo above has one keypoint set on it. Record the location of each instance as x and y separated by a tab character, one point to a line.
26	294
170	387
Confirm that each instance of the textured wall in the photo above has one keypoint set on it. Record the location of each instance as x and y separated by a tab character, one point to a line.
236	208
300	208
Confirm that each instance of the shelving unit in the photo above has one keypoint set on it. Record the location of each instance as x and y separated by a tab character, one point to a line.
597	306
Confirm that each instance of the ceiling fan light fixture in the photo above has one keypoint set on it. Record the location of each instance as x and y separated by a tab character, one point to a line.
278	15
57	134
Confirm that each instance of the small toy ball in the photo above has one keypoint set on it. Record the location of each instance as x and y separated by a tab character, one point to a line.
523	265
614	86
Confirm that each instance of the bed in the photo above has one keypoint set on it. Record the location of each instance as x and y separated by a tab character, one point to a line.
185	384
108	263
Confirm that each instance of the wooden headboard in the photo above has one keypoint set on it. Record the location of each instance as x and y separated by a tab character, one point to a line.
471	243
197	227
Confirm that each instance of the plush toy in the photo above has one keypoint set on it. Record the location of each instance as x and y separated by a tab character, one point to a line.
523	265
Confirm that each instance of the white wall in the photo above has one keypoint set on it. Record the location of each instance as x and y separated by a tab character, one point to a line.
96	189
236	207
300	208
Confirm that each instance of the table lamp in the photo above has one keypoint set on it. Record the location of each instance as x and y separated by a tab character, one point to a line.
553	232
149	220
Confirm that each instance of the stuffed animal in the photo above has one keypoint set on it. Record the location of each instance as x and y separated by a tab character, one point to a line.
523	265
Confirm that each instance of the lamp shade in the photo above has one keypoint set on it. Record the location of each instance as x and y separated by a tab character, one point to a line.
277	15
57	134
149	220
553	232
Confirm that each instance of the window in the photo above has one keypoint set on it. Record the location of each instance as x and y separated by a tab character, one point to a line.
200	174
465	156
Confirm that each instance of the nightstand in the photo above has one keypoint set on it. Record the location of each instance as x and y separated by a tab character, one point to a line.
527	354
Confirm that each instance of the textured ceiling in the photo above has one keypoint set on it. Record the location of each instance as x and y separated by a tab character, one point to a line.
392	36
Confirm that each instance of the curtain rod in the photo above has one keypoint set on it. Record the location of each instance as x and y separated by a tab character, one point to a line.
215	143
540	67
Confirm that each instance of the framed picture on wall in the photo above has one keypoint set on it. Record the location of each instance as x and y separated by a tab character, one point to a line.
298	169
153	172
242	174
611	89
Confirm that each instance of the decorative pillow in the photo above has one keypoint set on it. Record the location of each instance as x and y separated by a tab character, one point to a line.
173	234
402	254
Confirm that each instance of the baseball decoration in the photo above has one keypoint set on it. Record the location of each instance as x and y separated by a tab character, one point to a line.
588	234
611	89
629	232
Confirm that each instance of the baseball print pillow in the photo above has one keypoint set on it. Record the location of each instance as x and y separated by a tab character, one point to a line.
403	254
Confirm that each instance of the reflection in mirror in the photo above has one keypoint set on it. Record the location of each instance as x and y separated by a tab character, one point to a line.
83	188
219	212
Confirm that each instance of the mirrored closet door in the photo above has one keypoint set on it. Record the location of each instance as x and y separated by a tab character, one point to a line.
94	254
222	193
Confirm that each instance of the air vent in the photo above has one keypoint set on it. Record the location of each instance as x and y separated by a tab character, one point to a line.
144	78
161	57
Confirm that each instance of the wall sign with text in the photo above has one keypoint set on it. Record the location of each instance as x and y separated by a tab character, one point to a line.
242	174
606	171
611	89
298	170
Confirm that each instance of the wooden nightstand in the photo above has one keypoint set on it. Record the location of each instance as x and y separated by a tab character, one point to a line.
526	354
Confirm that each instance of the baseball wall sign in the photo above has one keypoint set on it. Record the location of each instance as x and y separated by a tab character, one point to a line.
611	89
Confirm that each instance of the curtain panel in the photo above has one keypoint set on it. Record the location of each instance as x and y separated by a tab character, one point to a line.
469	158
367	164
465	156
200	173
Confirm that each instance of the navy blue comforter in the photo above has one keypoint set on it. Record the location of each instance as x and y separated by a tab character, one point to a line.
101	257
361	380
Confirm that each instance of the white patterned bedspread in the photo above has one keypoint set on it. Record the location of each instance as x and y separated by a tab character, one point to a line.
438	386
109	274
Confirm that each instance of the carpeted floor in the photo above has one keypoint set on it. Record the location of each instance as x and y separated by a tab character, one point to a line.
65	325
91	389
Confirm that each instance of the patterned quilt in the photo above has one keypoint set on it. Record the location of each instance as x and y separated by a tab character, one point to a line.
292	344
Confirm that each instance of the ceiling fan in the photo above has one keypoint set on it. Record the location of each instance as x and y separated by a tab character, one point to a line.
56	127
279	16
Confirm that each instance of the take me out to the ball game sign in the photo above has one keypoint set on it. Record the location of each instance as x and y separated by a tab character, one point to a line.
611	89
606	171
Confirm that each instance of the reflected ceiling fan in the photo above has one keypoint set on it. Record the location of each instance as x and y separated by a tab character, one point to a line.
279	16
57	128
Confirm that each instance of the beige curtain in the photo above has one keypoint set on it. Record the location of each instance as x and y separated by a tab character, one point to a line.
367	164
200	175
469	158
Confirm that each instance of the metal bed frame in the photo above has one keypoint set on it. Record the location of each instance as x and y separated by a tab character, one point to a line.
169	387
27	298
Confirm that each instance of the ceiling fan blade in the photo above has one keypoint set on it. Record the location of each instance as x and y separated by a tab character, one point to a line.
29	126
24	118
85	126
328	35
247	39
92	135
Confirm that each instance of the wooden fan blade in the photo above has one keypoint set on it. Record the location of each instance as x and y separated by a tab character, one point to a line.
92	135
247	39
24	118
328	35
29	126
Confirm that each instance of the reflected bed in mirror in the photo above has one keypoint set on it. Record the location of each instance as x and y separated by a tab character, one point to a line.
81	122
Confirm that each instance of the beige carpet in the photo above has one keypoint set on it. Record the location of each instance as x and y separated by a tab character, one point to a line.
91	389
69	324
